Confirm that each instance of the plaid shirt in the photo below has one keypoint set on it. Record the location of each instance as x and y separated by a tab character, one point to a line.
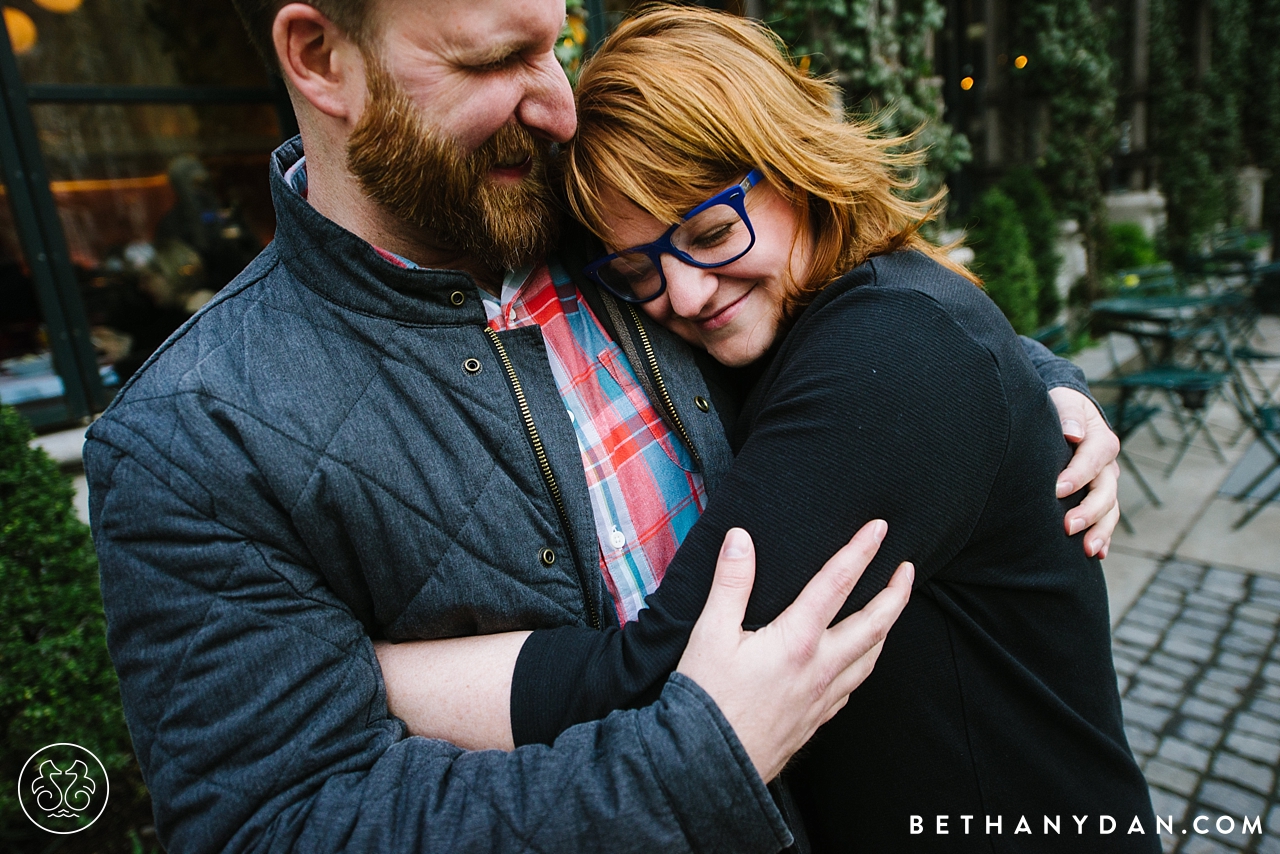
645	494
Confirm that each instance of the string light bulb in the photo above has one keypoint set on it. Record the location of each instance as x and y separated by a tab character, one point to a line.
22	30
62	7
1020	62
966	83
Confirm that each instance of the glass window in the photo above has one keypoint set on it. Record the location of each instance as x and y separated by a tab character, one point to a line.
28	377
136	43
161	205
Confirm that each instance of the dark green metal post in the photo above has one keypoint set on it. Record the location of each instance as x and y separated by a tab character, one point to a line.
45	245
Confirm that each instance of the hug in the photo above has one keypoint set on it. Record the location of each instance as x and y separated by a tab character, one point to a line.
472	529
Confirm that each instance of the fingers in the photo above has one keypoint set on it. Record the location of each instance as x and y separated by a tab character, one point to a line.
1097	543
731	586
1071	412
1103	495
851	678
1098	505
816	606
860	637
862	630
1097	449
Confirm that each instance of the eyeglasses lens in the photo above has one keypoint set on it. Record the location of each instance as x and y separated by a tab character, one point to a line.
631	274
714	236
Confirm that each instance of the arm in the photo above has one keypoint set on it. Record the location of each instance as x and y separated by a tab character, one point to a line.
458	689
1094	464
856	425
259	718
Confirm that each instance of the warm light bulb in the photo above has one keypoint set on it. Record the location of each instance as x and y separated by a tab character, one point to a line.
1020	62
62	7
966	83
22	30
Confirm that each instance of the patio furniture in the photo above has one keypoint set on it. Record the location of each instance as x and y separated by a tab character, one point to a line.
1126	416
1188	389
1260	415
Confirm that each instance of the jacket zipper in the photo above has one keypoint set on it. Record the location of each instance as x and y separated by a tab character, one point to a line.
661	386
548	476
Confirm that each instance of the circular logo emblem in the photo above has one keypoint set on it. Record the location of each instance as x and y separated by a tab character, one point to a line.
63	788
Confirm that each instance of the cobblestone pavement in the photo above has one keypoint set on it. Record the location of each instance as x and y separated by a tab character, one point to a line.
1198	660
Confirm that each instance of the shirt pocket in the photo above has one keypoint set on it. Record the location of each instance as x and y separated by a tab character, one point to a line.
621	372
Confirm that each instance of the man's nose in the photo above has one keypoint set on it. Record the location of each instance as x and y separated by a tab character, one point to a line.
689	288
547	106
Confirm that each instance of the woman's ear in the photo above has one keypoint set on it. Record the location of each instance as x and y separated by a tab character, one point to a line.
319	61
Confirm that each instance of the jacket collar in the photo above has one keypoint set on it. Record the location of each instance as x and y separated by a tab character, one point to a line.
346	270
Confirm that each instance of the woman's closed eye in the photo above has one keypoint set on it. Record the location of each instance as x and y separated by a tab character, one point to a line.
712	237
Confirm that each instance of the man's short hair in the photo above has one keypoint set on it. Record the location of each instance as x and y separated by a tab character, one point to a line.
258	16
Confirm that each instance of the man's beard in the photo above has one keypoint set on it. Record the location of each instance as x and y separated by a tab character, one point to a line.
428	181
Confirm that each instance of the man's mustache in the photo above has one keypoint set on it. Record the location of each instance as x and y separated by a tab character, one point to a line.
511	144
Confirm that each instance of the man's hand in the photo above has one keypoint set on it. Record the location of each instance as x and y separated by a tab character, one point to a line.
776	686
1093	465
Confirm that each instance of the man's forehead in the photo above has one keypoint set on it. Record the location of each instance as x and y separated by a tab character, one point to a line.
475	30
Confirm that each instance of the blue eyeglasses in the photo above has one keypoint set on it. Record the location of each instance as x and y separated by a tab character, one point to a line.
715	233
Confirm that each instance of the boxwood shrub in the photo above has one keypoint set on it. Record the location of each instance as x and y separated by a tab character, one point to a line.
56	680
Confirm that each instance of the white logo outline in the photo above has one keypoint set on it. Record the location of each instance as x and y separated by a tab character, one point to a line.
44	787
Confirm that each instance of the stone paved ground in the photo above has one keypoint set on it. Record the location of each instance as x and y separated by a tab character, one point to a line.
1198	660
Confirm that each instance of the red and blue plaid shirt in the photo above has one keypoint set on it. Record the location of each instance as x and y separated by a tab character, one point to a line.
645	494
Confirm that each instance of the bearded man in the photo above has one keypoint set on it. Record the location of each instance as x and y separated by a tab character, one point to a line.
365	436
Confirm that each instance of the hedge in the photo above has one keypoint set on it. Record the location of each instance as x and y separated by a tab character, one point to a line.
56	679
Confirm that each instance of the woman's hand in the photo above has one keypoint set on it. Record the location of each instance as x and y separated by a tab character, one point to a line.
1093	465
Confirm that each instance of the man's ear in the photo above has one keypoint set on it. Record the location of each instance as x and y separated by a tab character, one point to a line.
319	61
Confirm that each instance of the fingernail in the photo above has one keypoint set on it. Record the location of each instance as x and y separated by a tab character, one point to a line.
736	544
1096	547
1072	428
1065	488
878	529
911	572
1075	526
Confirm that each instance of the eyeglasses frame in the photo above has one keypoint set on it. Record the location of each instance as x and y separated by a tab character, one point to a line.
734	197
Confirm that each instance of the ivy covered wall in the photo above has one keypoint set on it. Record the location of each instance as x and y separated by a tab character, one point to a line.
882	54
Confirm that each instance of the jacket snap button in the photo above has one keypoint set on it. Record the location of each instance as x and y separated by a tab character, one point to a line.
457	297
548	557
471	366
701	403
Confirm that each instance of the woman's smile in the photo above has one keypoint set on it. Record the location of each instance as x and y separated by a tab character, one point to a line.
721	316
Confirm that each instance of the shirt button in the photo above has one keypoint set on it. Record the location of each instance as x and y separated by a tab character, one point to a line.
617	539
571	418
701	403
511	316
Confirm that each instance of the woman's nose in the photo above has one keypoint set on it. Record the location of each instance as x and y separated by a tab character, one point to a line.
689	288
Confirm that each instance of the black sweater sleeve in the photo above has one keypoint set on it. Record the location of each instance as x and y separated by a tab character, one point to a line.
881	403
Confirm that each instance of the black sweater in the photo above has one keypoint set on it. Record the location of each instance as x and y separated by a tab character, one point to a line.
902	393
